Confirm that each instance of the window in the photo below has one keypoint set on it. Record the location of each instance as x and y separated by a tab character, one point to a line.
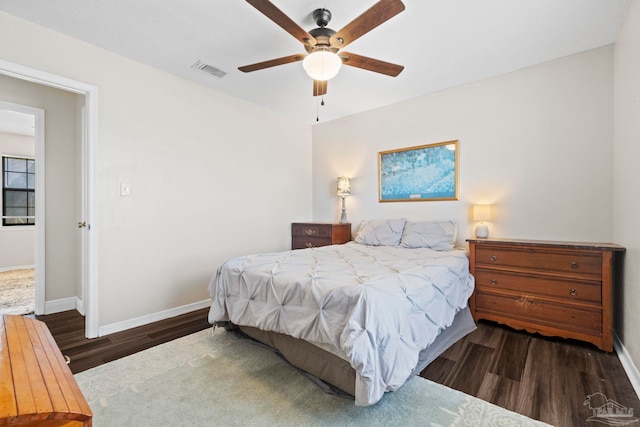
18	191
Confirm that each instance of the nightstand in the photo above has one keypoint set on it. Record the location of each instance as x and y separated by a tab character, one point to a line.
553	288
313	234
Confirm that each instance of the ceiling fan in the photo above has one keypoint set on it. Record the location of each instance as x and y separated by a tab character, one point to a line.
322	44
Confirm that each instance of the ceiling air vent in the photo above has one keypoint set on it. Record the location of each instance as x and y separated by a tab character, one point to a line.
209	69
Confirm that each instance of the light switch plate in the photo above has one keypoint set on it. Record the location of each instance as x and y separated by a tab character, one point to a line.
125	189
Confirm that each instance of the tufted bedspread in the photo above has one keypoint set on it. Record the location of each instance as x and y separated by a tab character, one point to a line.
376	307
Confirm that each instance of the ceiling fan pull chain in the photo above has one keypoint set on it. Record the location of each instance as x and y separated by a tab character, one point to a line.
317	108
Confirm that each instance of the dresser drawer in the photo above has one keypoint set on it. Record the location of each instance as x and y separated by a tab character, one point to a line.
311	230
573	263
542	312
570	290
302	242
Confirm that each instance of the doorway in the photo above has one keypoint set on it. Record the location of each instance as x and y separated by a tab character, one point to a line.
88	217
21	142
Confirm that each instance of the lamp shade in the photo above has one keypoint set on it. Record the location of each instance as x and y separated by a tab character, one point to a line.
322	64
482	212
344	186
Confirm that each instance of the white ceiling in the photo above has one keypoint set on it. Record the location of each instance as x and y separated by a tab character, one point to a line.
441	43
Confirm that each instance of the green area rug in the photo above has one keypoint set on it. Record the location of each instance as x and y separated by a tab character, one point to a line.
207	380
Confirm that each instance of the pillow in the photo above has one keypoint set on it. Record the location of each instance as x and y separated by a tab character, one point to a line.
380	232
436	235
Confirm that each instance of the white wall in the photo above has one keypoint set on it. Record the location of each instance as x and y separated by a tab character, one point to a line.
626	206
211	177
536	143
17	244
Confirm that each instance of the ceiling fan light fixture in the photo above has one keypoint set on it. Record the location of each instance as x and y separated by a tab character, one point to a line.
322	64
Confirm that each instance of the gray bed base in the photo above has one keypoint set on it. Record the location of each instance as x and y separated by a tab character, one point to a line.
334	374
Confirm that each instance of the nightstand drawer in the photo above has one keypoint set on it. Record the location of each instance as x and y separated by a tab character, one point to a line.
302	242
573	263
313	235
542	312
311	230
527	284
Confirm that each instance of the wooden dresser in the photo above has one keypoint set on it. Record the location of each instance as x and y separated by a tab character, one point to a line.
37	387
553	288
314	234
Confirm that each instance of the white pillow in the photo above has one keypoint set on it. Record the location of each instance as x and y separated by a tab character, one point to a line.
381	232
436	235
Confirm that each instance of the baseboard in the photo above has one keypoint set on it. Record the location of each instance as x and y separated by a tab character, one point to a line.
20	267
627	363
150	318
80	305
58	305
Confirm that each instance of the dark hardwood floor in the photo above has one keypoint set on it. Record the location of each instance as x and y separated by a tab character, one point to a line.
67	329
543	378
547	379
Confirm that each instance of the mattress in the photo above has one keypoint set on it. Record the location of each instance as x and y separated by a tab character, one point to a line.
377	307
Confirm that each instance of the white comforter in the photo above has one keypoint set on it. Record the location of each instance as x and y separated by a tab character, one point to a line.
377	306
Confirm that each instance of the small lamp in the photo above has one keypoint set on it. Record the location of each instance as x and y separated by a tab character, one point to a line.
344	189
482	213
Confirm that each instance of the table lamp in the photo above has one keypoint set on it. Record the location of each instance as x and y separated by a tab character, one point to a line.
482	213
344	189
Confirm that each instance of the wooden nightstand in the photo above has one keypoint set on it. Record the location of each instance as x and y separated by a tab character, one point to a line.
312	234
553	288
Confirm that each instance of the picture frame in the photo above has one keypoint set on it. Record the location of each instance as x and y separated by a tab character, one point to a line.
418	174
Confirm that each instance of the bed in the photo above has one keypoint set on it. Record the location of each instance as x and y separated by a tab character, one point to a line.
364	316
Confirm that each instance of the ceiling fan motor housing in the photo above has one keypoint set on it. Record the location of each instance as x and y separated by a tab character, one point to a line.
322	34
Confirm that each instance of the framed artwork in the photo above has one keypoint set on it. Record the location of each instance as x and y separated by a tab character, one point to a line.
423	173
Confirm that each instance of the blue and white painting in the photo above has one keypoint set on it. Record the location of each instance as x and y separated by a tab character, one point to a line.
428	172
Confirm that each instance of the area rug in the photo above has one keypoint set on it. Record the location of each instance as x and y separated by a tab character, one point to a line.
218	379
17	291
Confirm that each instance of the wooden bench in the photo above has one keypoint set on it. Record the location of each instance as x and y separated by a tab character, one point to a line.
37	387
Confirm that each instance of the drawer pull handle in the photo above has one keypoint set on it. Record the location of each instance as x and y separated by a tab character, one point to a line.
493	258
572	292
309	245
310	231
574	265
494	282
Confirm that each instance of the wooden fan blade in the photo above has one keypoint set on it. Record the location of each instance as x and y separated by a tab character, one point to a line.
319	87
371	64
271	63
370	19
269	10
